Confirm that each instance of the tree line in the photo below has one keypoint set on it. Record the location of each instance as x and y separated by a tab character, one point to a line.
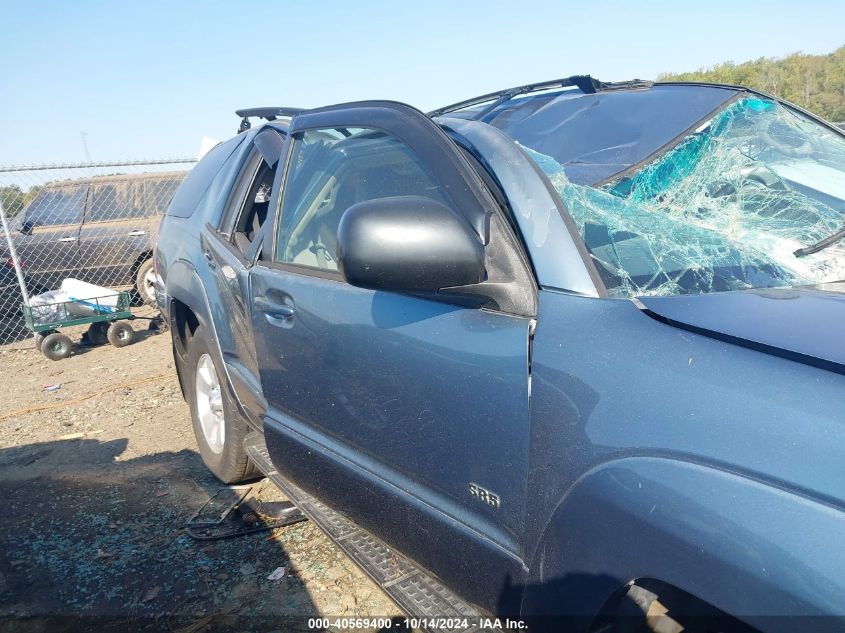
14	198
814	82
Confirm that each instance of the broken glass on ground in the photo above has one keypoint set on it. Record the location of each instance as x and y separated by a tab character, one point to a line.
725	208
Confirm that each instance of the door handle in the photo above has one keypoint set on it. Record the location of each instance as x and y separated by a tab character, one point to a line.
137	233
210	259
68	239
273	308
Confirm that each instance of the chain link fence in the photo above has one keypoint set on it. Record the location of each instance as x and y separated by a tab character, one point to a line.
93	222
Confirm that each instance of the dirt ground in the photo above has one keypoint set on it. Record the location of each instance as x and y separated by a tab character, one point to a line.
96	491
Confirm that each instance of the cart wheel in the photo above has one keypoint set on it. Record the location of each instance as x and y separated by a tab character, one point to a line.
56	346
98	333
39	337
121	334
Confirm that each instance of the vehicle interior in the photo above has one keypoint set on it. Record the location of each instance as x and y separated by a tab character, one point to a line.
366	166
268	144
254	213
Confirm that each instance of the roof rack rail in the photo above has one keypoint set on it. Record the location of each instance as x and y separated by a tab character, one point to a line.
269	113
585	83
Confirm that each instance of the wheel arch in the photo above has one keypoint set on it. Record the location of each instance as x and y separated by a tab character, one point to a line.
140	259
748	548
188	308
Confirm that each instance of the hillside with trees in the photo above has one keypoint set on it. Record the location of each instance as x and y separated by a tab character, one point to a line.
815	82
14	198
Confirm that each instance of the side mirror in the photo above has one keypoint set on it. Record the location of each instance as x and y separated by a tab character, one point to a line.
26	228
408	243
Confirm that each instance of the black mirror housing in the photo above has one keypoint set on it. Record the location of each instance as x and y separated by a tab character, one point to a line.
408	243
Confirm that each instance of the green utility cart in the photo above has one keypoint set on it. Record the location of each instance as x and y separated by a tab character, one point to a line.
106	318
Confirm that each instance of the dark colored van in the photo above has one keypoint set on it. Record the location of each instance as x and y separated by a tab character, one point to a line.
99	230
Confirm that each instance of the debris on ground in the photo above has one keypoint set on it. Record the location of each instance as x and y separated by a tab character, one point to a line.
151	594
229	513
78	436
102	554
278	573
71	436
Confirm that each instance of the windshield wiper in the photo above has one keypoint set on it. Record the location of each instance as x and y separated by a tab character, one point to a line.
820	245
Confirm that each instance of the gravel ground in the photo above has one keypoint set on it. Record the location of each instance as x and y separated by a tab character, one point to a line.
96	492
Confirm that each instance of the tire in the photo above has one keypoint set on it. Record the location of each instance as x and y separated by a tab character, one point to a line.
120	334
40	336
218	426
144	278
56	346
98	333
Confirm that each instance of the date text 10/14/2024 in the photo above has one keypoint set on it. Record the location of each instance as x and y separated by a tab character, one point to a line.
407	624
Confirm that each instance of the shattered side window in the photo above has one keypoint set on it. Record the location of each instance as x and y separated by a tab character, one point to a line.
725	209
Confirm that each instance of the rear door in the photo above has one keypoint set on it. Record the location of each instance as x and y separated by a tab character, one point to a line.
229	251
115	232
396	409
48	246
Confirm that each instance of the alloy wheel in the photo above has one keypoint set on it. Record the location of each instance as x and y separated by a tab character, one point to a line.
210	404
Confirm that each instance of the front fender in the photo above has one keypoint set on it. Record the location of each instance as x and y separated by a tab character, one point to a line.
746	547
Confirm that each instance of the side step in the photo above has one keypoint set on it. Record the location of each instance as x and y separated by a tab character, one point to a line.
417	593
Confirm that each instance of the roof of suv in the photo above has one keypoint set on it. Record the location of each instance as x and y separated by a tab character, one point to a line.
598	129
596	133
594	129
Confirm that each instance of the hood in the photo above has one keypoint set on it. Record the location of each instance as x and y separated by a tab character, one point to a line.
805	324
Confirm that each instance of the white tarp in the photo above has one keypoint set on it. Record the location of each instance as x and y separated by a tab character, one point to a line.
74	298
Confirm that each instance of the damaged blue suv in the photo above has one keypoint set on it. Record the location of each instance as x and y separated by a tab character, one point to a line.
571	353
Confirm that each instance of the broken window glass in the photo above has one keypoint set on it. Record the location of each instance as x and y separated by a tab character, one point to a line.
724	209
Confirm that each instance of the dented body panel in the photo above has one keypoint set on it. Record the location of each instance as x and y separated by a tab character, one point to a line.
801	324
639	428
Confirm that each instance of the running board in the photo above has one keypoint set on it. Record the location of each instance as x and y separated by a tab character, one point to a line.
416	592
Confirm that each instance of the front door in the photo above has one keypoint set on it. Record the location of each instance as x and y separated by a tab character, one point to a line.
406	413
48	245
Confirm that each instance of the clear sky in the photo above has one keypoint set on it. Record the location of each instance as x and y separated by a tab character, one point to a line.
149	79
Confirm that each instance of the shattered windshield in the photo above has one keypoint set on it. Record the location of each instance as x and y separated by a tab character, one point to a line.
726	208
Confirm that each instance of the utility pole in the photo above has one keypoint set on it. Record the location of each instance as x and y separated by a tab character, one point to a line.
16	263
84	136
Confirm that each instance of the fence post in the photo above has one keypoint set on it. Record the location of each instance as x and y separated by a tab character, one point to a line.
14	254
